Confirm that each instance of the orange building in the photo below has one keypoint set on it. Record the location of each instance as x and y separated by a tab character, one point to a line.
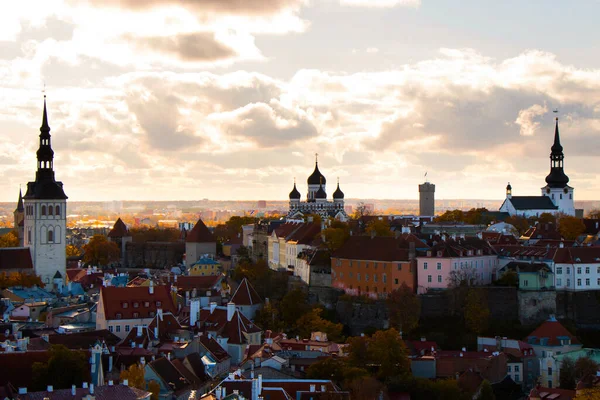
375	266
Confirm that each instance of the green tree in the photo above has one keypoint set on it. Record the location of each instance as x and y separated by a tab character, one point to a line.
476	216
268	318
379	227
63	369
509	278
11	239
329	368
485	391
336	234
135	376
404	308
451	216
570	227
293	306
477	313
567	374
100	251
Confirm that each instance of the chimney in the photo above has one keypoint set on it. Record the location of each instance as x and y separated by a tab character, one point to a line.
230	310
260	382
561	245
50	388
73	390
125	382
151	287
213	306
412	251
91	388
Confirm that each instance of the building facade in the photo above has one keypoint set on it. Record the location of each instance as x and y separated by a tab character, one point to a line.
45	207
427	199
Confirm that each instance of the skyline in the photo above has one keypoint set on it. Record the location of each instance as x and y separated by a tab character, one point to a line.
189	100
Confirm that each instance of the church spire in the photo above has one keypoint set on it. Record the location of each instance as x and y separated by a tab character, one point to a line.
557	177
20	207
45	128
45	154
556	147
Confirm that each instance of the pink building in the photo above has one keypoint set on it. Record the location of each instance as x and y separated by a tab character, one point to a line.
452	261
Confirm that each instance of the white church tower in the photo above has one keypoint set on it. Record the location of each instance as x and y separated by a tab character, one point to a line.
45	225
557	188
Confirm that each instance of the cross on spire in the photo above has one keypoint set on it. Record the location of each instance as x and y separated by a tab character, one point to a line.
316	157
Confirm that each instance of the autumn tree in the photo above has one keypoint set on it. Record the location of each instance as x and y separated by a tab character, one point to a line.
367	388
594	214
588	394
100	251
64	368
546	218
72	251
293	306
379	227
585	366
336	235
135	376
11	239
313	322
361	210
485	391
477	216
509	278
387	350
358	351
477	312
154	388
269	318
570	227
567	374
20	279
404	308
520	223
451	216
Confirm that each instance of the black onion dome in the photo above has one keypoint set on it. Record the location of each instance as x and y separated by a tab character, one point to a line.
294	194
316	177
508	187
320	194
338	194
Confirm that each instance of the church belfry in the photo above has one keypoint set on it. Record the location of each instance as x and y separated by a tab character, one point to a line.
45	206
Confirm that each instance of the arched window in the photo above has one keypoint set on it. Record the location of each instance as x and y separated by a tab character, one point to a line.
50	210
43	210
50	236
57	213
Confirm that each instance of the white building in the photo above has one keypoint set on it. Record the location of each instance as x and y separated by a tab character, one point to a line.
577	268
45	207
557	195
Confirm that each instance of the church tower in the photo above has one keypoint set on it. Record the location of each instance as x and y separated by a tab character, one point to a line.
45	205
557	188
19	218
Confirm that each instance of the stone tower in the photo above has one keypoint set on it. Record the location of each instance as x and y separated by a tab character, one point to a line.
427	199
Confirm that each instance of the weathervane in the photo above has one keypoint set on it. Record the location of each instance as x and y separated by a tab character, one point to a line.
555	111
316	157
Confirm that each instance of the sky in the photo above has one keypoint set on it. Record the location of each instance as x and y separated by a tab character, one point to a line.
232	99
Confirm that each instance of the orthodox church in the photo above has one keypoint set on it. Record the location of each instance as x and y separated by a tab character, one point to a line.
557	195
316	199
41	215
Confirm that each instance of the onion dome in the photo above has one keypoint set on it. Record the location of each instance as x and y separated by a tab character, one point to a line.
508	187
338	194
320	194
316	178
295	194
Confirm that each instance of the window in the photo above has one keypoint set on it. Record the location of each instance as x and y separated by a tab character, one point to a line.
110	328
550	384
578	270
509	369
57	211
50	210
158	304
454	265
43	210
50	236
561	196
516	368
384	278
366	277
136	315
358	276
151	313
598	270
439	279
126	328
525	282
399	267
598	283
558	282
568	282
424	265
341	274
428	278
29	236
375	265
136	304
587	282
559	270
125	305
118	328
374	277
350	274
568	270
350	263
146	304
549	371
396	281
366	266
439	266
119	316
587	270
578	282
517	378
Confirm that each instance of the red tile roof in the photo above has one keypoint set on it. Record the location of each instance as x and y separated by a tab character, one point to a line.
122	300
200	234
283	231
200	283
552	330
246	295
118	392
214	348
577	255
119	229
15	258
233	330
378	248
306	233
547	393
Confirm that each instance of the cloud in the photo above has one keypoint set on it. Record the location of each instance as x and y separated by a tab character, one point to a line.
381	3
526	119
252	7
198	46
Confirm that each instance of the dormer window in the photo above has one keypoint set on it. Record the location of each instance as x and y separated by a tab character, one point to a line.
429	254
439	253
136	304
119	315
158	304
136	315
146	304
470	252
151	313
125	305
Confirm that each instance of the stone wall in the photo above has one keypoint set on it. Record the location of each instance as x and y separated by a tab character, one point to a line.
362	316
536	306
583	307
327	296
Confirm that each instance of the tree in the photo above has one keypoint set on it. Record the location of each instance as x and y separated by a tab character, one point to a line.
485	391
451	216
476	216
63	369
588	394
570	227
567	374
293	306
11	239
358	352
100	251
388	351
477	313
135	376
367	388
154	388
361	210
466	276
404	308
594	214
313	322
509	278
336	235
20	279
329	368
379	227
72	251
585	366
520	223
546	218
268	318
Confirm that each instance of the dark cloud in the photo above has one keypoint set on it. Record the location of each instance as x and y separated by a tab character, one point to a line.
269	127
199	46
245	7
159	117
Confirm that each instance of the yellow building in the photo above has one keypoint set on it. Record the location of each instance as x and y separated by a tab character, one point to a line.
205	267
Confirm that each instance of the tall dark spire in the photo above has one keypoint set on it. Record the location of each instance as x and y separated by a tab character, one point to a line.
45	128
557	178
20	207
